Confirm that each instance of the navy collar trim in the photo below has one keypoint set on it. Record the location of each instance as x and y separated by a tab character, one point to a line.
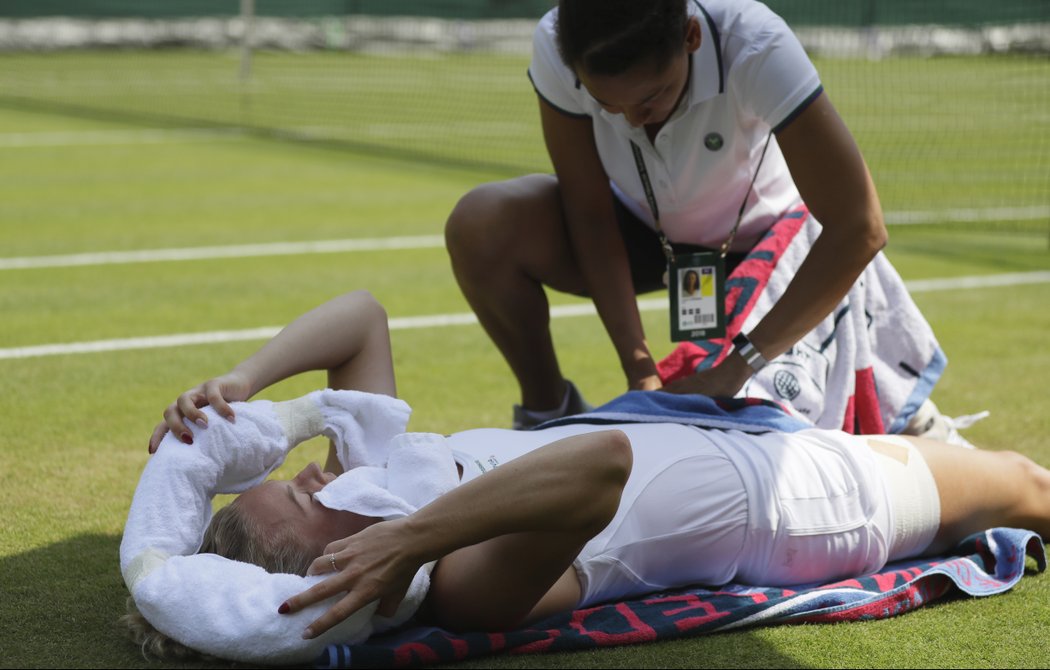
718	45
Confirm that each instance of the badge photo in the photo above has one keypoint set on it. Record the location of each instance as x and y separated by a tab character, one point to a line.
697	296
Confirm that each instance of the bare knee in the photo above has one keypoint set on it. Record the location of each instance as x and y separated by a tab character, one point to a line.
1032	482
1029	473
472	219
501	223
980	489
479	225
1034	476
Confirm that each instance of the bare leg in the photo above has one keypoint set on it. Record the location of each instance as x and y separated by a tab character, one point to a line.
981	489
507	241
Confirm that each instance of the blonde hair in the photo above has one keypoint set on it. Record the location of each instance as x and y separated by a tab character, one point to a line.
237	536
234	535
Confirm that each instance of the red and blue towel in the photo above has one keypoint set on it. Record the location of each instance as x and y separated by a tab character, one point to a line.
866	368
984	564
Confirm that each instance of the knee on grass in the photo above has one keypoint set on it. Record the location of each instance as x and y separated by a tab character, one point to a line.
1033	484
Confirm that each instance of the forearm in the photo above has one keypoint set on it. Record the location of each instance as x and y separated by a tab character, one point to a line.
837	187
554	499
603	262
587	204
598	246
347	336
570	484
852	234
824	278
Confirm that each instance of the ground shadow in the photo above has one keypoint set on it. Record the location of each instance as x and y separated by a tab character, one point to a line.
171	120
60	608
61	605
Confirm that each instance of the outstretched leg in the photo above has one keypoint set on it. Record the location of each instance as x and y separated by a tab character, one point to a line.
981	489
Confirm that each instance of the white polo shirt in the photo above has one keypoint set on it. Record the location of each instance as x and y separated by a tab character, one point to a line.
749	75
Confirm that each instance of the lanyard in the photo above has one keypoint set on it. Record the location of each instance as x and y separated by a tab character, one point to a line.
647	186
643	174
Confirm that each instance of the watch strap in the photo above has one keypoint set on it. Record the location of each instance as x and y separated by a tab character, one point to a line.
747	350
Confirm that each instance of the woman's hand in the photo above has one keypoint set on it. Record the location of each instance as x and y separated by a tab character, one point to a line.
725	379
641	371
218	393
646	383
513	531
374	564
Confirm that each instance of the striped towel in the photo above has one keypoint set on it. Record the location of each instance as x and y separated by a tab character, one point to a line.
984	564
865	369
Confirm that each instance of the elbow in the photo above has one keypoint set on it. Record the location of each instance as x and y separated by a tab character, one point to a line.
620	456
859	237
877	235
609	457
873	225
610	463
361	304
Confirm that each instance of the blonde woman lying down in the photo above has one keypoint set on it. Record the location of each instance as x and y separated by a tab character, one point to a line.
553	519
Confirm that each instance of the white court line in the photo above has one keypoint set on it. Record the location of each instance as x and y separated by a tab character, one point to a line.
412	242
975	215
231	251
446	320
986	281
113	137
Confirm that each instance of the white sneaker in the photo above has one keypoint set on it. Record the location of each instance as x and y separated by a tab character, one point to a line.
928	422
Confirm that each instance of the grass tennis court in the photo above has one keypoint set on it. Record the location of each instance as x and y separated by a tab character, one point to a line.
939	133
73	428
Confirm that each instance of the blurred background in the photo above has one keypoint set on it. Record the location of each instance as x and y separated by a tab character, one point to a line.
949	99
180	178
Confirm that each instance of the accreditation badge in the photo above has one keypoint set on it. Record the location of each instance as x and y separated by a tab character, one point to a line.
698	296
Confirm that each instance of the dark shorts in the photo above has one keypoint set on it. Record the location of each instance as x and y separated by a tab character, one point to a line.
646	256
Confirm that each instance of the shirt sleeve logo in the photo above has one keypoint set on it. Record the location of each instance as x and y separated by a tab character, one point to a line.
713	141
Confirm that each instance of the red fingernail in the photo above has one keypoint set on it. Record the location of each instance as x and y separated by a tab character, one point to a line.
187	438
283	609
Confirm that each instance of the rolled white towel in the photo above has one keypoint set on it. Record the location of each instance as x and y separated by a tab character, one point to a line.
229	609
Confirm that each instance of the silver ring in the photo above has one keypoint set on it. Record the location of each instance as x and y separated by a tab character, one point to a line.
331	559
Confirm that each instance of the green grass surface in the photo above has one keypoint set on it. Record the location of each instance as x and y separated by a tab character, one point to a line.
939	133
948	133
73	429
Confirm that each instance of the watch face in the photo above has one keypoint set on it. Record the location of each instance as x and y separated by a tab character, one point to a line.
740	340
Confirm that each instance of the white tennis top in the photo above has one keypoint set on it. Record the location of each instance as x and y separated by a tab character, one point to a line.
711	507
750	75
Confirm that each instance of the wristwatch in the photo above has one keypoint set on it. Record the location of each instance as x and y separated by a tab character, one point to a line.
752	356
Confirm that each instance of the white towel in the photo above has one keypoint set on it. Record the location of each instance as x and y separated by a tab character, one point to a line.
361	424
419	469
876	327
229	609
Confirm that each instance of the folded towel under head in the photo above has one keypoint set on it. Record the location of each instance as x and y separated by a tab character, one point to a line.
229	609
